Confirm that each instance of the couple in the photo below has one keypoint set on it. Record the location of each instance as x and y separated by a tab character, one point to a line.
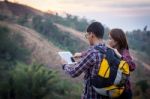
90	59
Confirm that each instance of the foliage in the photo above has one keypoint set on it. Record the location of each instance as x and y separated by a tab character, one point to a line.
61	39
22	81
139	40
10	47
33	82
23	20
72	21
143	85
3	17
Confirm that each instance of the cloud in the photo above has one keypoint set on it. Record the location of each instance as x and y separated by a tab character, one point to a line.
113	7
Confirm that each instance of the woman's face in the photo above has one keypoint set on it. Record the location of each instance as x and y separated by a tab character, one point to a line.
112	43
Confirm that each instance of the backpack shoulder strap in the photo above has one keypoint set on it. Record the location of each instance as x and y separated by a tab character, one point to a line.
110	55
100	50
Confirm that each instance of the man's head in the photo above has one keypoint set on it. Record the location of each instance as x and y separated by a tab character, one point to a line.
95	31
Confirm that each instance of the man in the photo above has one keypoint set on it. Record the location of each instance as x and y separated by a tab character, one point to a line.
90	60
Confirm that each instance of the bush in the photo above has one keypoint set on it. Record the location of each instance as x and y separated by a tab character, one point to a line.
33	82
3	17
28	82
143	84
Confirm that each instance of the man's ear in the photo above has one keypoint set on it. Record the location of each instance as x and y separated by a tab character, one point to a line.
93	35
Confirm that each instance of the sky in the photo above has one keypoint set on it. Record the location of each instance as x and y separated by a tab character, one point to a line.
125	14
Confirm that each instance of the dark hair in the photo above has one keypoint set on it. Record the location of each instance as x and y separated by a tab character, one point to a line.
119	36
97	29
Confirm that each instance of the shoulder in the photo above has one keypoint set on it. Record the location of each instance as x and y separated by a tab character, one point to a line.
126	54
96	50
92	52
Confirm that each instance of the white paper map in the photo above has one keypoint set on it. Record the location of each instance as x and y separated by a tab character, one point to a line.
66	55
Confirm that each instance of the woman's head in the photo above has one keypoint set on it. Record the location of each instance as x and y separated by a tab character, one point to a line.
117	39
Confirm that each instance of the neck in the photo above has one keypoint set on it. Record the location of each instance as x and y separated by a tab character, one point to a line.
119	50
97	41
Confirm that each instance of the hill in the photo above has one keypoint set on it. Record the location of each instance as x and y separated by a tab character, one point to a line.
12	9
43	52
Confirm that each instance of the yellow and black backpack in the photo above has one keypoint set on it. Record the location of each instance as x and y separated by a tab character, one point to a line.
112	75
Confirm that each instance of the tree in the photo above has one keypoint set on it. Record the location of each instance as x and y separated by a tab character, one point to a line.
145	28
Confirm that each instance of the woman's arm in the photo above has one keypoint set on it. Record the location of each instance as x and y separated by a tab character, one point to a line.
126	56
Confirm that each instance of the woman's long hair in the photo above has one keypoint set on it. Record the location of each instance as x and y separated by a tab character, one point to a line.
119	36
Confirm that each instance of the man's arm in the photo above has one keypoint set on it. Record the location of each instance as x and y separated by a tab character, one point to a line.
85	63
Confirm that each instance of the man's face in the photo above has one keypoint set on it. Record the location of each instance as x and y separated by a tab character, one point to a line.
89	37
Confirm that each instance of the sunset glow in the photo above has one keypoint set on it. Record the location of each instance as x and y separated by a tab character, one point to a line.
126	14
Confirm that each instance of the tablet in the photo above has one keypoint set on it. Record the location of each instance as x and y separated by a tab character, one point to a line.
67	56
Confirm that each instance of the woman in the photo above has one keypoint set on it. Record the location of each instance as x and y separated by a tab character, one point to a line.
118	41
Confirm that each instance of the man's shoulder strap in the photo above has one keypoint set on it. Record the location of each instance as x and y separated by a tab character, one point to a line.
100	49
109	54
